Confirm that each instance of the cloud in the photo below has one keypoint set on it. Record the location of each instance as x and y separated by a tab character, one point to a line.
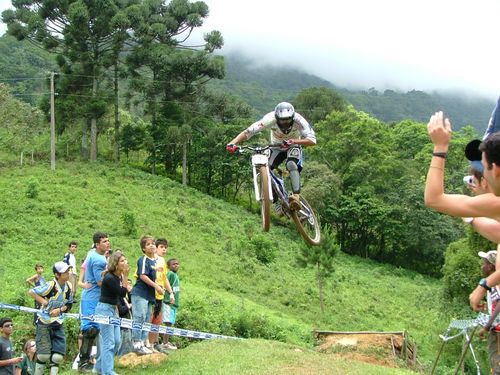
426	45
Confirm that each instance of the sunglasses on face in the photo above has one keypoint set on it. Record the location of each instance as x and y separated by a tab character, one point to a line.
8	325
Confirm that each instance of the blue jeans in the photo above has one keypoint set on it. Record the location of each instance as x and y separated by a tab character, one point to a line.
109	338
141	313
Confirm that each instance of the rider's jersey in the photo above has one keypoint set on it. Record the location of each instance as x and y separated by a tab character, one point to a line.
300	129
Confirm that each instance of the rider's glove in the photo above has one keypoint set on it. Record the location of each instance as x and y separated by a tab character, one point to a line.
231	148
287	143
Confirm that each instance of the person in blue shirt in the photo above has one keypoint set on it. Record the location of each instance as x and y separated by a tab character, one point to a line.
95	266
55	298
143	293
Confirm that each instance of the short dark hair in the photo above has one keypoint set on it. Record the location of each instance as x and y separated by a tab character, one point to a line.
38	265
98	236
73	243
144	240
161	241
170	261
491	149
4	320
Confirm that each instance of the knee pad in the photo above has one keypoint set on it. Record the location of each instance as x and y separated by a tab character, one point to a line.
42	358
291	165
56	358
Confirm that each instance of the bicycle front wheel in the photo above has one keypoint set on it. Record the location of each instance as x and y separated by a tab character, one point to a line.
306	223
265	202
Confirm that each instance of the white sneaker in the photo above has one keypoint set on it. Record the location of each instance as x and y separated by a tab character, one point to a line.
146	350
140	349
170	346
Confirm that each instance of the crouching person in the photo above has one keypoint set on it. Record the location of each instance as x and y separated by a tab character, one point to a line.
55	298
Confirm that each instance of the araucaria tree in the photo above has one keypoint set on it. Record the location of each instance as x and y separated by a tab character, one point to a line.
84	34
169	72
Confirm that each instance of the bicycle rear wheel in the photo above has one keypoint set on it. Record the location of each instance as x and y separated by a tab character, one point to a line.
306	223
265	202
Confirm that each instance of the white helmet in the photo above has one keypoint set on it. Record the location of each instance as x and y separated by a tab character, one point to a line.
284	114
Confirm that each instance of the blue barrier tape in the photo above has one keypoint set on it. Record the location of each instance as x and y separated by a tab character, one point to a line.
127	323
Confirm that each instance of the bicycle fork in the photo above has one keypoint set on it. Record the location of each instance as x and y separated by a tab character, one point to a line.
259	161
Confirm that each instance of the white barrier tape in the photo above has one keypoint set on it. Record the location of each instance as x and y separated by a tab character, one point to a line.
127	323
464	325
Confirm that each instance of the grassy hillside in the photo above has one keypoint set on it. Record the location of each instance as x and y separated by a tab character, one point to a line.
225	287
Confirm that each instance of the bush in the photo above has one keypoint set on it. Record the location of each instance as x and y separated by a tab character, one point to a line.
32	188
129	225
461	269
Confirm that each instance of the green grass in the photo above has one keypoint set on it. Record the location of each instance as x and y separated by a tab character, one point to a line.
225	288
250	357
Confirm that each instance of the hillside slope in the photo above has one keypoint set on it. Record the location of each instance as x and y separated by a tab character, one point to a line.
225	288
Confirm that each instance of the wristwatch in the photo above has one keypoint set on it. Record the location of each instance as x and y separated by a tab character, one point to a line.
483	283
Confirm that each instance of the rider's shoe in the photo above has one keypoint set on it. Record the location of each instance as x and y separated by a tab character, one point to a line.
294	200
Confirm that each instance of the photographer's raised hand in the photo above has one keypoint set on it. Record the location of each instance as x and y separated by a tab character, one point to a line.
439	130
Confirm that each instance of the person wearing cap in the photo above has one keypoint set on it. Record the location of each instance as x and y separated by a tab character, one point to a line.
487	268
55	299
485	205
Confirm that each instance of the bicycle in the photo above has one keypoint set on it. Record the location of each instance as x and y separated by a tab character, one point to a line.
270	188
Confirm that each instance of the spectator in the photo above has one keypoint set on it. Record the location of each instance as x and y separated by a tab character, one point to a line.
169	317
161	279
111	293
27	365
7	360
69	258
56	298
143	293
487	268
36	280
95	264
483	205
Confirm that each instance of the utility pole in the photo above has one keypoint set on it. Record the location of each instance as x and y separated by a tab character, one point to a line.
52	125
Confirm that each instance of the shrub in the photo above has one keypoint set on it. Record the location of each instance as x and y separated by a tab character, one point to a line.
32	188
129	225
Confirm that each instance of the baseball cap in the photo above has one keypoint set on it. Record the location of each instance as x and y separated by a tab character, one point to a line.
60	267
490	256
474	155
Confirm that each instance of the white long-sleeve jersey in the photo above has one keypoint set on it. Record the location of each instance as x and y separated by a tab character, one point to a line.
301	129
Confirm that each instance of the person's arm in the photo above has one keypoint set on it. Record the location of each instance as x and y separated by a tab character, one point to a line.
31	280
11	361
152	284
486	227
41	301
303	142
243	136
488	325
487	205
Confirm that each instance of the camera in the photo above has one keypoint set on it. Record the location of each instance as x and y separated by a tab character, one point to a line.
469	181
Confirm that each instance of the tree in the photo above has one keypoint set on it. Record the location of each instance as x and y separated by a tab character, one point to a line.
84	33
316	103
321	258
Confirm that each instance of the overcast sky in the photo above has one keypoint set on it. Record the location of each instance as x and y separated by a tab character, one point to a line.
423	45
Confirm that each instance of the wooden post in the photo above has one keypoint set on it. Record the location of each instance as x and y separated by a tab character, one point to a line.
52	125
22	155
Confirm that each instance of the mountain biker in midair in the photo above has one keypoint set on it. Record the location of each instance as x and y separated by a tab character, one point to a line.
292	131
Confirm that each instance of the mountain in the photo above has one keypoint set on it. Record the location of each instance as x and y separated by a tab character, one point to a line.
262	86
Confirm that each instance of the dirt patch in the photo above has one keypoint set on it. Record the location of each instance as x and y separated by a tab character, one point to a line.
133	360
374	348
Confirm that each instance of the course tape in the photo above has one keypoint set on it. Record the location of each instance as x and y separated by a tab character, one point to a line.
127	323
464	325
